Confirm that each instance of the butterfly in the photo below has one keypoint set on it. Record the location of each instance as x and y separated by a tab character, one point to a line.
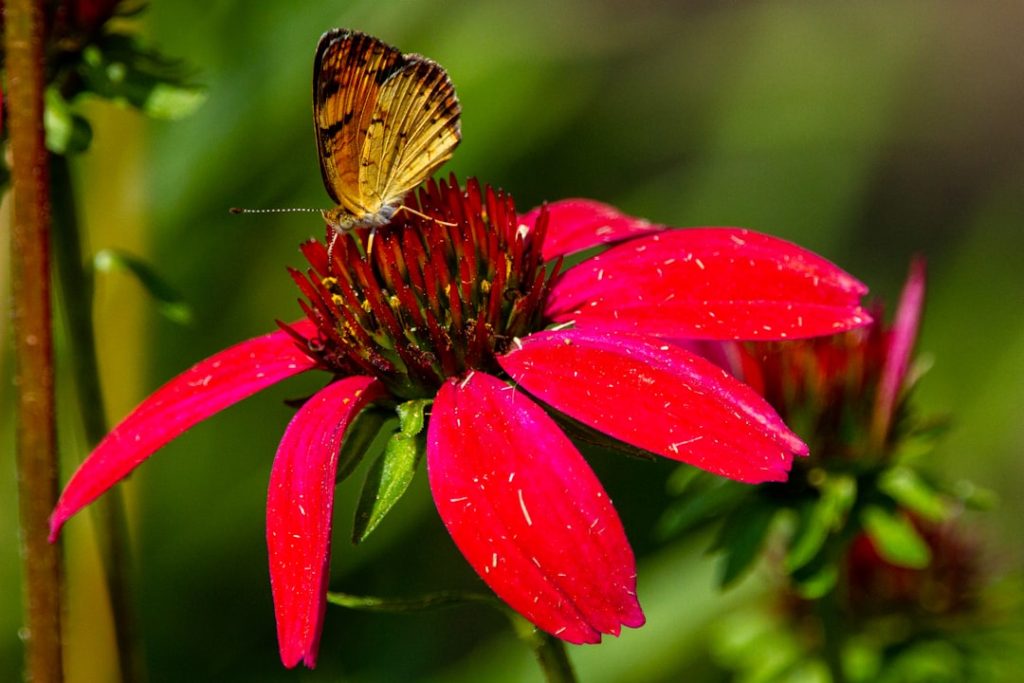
384	122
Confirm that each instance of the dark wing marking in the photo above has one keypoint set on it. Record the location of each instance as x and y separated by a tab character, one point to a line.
348	71
414	129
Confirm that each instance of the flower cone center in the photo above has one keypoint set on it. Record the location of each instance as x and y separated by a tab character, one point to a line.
449	283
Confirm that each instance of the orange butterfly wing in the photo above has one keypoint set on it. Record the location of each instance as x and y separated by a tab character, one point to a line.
414	129
384	121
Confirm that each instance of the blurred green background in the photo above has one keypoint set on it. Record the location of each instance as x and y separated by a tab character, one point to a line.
865	131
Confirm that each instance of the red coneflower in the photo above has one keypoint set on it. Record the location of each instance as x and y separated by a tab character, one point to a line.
470	309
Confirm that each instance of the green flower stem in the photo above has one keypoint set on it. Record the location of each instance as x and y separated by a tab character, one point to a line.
76	288
36	433
832	631
550	651
421	603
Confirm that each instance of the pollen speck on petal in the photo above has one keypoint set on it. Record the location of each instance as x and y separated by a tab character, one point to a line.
552	546
759	288
207	388
302	481
658	397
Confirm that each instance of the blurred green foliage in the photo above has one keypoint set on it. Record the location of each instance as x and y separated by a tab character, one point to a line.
865	131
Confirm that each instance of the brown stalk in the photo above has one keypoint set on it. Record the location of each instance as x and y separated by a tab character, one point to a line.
35	436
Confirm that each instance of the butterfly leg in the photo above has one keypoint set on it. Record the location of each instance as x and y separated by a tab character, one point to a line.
330	250
414	212
369	242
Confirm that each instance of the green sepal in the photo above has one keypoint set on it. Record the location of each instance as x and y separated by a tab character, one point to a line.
703	499
170	304
911	492
392	471
411	415
895	538
591	441
741	538
685	478
917	440
974	497
819	519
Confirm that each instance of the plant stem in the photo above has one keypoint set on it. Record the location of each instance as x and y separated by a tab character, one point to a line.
428	601
76	288
549	651
832	632
35	434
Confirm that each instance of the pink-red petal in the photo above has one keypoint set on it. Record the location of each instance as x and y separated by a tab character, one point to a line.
899	349
710	283
207	388
300	501
525	509
578	224
659	397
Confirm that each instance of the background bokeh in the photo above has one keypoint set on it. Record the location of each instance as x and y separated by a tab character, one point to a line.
865	131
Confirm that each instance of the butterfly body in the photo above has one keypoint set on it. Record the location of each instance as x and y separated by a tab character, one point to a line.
384	122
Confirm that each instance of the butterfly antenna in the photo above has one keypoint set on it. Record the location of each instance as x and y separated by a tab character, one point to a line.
236	210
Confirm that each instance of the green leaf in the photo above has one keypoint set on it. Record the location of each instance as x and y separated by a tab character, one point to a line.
169	303
819	575
906	487
816	584
896	538
807	671
755	643
171	102
66	132
390	474
117	68
861	658
930	661
365	438
821	518
741	537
